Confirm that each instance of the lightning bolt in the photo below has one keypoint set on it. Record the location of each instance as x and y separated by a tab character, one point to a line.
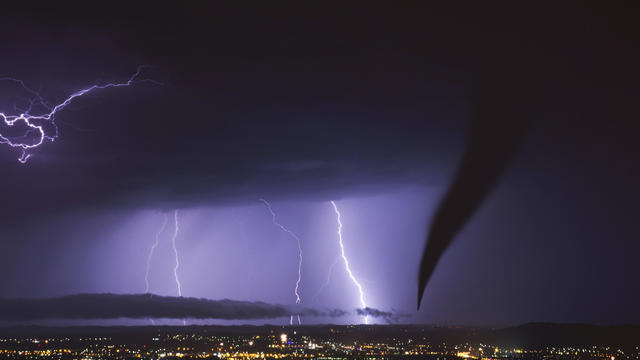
153	248
326	283
346	261
175	252
293	235
42	127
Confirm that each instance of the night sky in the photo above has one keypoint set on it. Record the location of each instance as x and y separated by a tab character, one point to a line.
364	104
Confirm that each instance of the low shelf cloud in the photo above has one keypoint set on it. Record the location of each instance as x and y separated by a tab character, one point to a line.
140	306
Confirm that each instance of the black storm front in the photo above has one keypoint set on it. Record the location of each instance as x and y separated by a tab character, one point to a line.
431	181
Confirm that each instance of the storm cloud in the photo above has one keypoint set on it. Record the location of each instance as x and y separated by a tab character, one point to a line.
137	306
221	129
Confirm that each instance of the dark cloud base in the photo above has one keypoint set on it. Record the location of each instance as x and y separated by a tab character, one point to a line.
137	306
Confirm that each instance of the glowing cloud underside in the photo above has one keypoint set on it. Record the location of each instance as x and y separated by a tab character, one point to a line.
299	242
346	261
42	127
